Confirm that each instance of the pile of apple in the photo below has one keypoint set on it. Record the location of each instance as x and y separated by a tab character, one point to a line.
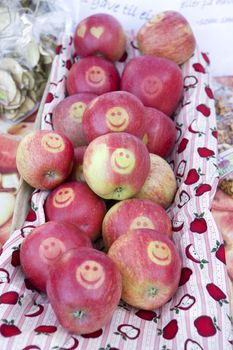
106	171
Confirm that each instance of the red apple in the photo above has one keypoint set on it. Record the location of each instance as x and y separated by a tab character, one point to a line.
77	170
84	290
167	34
116	165
132	214
92	74
45	245
114	111
76	203
160	186
150	266
156	81
8	149
100	34
160	134
68	114
44	158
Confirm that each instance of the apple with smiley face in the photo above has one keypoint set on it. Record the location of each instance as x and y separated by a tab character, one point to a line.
115	165
68	115
84	289
44	245
92	74
76	203
132	214
44	158
158	82
100	34
150	266
116	111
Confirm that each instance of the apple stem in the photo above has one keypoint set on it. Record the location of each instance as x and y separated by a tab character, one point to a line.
152	292
79	314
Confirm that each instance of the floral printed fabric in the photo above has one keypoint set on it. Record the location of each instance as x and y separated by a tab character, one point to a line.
198	316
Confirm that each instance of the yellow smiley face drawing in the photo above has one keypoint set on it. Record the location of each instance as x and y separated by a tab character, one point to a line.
50	249
159	253
90	274
76	111
63	197
151	86
95	76
53	143
141	221
123	161
117	119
